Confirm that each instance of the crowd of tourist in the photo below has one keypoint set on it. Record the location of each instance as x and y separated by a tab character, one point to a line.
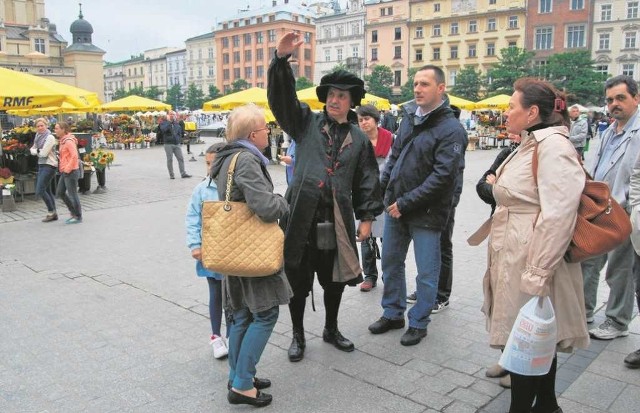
352	180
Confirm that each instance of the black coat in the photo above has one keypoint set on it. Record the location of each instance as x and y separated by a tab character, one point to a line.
485	190
423	178
353	177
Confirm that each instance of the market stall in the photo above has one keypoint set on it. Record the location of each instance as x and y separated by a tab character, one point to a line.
491	128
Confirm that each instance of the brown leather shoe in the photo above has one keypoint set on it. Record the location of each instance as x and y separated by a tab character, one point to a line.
50	217
496	371
505	381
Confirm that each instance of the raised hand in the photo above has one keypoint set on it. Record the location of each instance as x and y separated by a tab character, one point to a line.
288	43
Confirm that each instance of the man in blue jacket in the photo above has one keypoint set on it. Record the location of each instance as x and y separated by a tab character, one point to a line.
418	183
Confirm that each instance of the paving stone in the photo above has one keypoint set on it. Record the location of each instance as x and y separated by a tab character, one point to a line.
470	397
594	390
628	401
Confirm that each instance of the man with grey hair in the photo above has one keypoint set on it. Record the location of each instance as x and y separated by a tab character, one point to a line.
613	164
171	132
579	130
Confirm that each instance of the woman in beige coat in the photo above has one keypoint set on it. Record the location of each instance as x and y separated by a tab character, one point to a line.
530	232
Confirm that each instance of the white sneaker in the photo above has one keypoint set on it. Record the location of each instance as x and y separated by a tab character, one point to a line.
220	349
607	331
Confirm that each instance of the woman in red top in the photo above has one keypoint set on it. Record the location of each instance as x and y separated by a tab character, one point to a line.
69	167
381	139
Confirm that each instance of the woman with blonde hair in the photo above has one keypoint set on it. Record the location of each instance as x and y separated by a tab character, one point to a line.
44	148
251	304
69	171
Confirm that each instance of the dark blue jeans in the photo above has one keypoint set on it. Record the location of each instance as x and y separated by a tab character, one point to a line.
46	174
68	191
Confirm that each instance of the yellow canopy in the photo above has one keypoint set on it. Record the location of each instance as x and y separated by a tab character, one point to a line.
25	91
496	102
461	103
309	97
255	95
64	108
134	103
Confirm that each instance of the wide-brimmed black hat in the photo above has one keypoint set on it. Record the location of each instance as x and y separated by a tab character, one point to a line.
341	79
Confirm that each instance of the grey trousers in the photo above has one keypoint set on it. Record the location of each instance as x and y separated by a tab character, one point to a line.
620	278
176	150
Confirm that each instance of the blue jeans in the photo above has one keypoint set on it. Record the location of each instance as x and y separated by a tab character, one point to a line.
46	174
248	336
68	191
426	247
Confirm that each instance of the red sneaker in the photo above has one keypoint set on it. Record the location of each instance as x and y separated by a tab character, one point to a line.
367	285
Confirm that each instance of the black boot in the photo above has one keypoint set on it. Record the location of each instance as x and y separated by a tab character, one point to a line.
298	343
333	336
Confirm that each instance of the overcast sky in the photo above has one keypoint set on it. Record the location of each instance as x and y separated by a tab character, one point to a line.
126	27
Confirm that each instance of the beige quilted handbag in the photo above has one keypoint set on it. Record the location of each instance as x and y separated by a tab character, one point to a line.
237	242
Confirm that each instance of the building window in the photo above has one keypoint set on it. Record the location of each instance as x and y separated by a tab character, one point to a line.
491	24
603	43
419	34
236	73
397	33
272	35
39	45
492	1
577	4
225	42
307	54
327	33
397	78
236	41
386	11
236	57
259	54
211	53
247	38
307	37
540	68
454	28
602	69
259	72
472	50
545	6
397	52
259	37
632	10
355	28
327	55
248	72
512	44
454	52
605	12
436	53
247	55
630	40
452	77
513	22
225	58
575	36
339	54
628	69
436	7
473	26
436	30
307	72
355	51
374	36
374	54
199	72
199	54
491	49
419	55
211	71
544	38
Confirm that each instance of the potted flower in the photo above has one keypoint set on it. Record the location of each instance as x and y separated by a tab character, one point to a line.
100	159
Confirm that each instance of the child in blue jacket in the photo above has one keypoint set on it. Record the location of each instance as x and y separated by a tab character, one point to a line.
207	191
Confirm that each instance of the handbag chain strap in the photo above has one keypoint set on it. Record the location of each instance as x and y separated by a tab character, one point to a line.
227	192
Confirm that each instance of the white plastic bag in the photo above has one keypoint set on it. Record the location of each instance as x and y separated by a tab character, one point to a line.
532	343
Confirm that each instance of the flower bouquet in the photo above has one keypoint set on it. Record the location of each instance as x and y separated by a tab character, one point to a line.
100	159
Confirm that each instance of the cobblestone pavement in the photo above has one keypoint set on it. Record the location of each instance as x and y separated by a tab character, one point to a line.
108	316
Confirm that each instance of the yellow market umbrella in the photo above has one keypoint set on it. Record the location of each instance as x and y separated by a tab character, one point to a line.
134	103
309	97
24	91
461	103
496	102
64	108
255	95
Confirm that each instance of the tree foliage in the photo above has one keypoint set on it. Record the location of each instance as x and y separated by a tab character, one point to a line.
406	91
341	66
175	97
469	83
194	97
303	83
514	63
239	85
152	93
574	72
214	92
380	80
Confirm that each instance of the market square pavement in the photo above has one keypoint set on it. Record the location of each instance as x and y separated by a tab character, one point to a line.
109	316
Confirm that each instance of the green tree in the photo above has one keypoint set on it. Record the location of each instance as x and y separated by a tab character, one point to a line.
469	82
194	97
174	96
514	63
406	92
119	94
380	80
303	83
574	72
214	92
239	84
152	93
341	66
